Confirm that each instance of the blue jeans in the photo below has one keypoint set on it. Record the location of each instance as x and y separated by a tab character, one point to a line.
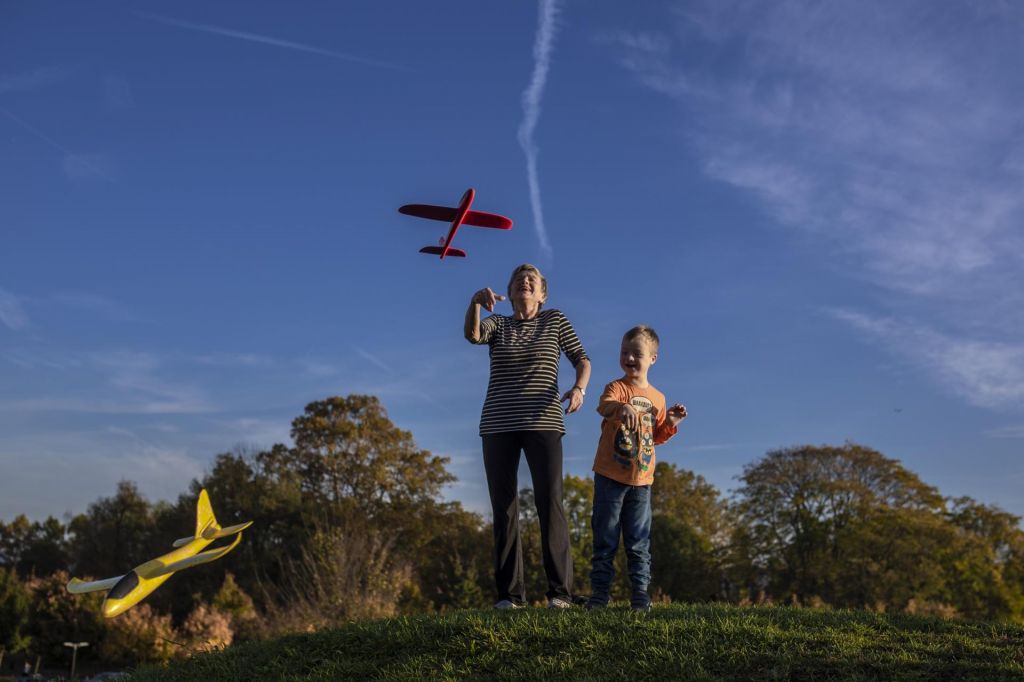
625	509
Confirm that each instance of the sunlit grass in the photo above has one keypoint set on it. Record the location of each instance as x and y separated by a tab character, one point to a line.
676	642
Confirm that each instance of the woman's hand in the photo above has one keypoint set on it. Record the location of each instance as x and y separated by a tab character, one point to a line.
487	299
575	397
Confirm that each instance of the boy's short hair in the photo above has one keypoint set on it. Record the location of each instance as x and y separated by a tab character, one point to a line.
645	332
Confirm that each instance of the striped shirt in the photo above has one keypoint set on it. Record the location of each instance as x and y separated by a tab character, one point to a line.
522	394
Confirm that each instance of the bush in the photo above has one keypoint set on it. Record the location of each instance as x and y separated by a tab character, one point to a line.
207	628
140	635
343	574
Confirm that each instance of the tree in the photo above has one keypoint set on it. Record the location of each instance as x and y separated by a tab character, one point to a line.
454	568
33	548
986	570
890	557
683	564
349	467
349	452
578	502
800	505
114	534
233	600
14	612
240	490
690	499
56	616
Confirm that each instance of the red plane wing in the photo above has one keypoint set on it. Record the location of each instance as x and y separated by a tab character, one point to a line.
437	250
446	214
481	219
443	213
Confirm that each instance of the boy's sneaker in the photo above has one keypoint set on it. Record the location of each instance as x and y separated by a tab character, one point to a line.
592	605
640	602
506	604
559	603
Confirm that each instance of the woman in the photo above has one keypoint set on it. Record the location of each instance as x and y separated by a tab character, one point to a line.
522	412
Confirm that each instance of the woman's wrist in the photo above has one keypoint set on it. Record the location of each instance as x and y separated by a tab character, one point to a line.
580	389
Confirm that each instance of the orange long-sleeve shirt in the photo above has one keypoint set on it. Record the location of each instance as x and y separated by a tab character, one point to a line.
624	455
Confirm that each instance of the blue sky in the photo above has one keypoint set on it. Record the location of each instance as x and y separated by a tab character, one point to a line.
818	207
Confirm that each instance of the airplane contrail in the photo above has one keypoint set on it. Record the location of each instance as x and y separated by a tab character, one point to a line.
531	111
266	40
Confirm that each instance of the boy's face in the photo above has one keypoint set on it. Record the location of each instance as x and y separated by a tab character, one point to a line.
636	356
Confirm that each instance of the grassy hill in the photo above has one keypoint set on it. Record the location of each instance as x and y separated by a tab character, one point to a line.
676	642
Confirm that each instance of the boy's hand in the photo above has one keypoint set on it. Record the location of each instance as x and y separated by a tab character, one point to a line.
629	417
676	414
575	398
487	299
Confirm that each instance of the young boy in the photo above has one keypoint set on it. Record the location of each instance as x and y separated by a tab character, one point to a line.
635	420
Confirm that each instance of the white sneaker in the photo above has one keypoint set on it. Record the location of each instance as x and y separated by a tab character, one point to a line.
506	604
559	603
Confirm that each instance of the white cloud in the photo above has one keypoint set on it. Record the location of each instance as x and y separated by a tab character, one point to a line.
890	134
892	130
106	406
235	359
90	463
316	368
11	312
986	373
119	382
1015	431
712	447
102	305
261	432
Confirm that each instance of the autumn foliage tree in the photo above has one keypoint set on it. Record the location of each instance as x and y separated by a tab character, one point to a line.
850	527
349	453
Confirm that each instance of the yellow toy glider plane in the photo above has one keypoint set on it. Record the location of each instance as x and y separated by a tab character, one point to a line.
128	590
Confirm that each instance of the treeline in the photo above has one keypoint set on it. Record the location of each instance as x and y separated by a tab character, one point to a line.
349	524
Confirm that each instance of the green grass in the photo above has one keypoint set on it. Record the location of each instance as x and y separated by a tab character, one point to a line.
677	642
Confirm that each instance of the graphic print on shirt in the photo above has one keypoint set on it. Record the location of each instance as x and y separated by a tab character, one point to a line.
637	446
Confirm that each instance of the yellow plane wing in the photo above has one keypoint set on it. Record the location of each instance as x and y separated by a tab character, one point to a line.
77	586
155	569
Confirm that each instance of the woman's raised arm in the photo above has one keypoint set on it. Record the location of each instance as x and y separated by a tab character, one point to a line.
486	298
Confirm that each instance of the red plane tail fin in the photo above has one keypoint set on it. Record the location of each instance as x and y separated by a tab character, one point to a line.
438	250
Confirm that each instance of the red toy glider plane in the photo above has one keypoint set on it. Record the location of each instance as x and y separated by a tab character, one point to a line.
457	217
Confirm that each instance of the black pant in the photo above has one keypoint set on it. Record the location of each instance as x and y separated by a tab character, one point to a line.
501	462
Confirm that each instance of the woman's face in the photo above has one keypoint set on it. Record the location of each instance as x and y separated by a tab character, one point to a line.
527	288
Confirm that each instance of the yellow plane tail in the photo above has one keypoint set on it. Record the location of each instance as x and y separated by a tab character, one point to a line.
207	527
204	514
